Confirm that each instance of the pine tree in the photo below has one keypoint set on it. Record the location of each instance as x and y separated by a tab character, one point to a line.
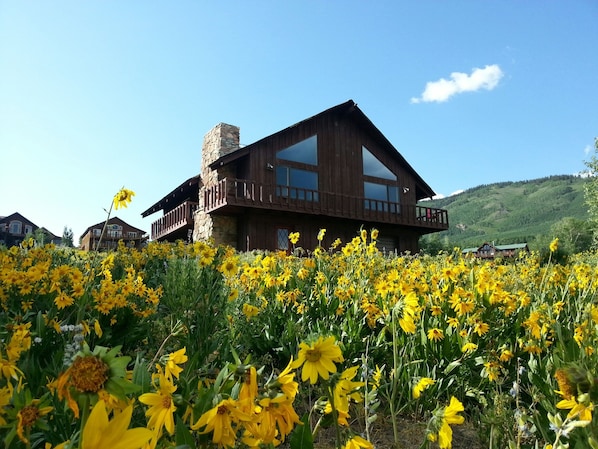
67	237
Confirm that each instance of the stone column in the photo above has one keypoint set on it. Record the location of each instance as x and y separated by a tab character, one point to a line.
219	141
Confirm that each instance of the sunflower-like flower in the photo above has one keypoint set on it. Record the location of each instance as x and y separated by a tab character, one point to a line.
100	432
286	382
356	442
30	413
554	245
273	420
574	388
219	420
175	359
318	359
441	423
91	372
345	389
423	383
123	198
162	408
294	237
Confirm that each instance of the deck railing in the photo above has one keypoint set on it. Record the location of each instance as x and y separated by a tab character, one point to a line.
179	217
230	193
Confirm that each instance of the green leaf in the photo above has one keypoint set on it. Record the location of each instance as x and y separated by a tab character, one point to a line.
183	437
451	366
301	437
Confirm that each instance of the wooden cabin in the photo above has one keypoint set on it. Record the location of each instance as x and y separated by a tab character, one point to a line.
15	228
105	236
333	171
492	251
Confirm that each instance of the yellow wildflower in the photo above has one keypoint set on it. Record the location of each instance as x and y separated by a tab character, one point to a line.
123	198
318	359
162	408
101	433
423	383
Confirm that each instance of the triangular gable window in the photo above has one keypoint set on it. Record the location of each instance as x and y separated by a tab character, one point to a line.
305	152
373	167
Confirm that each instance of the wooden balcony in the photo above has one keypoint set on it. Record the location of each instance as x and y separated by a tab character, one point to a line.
231	196
174	224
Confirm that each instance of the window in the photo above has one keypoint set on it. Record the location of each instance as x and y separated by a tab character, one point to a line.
28	229
132	234
380	186
295	178
381	197
305	152
96	232
373	167
282	239
115	231
15	227
296	183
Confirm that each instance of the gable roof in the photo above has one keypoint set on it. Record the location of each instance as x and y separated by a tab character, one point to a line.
17	216
189	188
114	220
511	246
349	108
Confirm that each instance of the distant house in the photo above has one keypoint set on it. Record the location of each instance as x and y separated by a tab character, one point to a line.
15	228
178	208
491	251
116	230
333	171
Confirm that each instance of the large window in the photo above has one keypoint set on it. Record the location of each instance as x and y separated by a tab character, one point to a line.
15	227
381	197
115	231
296	170
296	183
373	167
380	187
305	152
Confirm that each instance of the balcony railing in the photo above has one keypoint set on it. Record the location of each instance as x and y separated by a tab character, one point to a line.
229	195
178	218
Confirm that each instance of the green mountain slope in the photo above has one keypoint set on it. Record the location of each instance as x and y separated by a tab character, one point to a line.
510	212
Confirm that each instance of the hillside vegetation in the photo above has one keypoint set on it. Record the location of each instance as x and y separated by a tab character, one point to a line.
511	212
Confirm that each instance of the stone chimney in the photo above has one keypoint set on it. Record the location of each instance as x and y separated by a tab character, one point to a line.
222	139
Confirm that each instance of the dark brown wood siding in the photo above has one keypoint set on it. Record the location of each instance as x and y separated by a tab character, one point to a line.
340	188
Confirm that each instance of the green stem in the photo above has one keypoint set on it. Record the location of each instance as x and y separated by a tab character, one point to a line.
335	417
84	416
393	386
105	226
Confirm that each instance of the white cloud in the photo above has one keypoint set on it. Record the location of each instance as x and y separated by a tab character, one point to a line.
441	90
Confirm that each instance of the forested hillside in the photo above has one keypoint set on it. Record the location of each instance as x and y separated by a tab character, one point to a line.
510	212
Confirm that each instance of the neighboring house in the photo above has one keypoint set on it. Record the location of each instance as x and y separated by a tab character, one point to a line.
177	209
116	230
15	228
333	171
491	251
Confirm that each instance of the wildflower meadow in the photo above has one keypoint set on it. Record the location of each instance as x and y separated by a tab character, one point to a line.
198	346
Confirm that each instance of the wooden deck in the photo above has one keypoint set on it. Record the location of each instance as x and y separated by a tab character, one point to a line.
231	196
179	218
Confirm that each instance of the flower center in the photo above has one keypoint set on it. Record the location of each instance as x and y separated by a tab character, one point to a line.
88	374
29	415
564	385
222	410
313	355
166	401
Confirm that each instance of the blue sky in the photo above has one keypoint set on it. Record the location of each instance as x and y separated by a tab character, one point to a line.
96	95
